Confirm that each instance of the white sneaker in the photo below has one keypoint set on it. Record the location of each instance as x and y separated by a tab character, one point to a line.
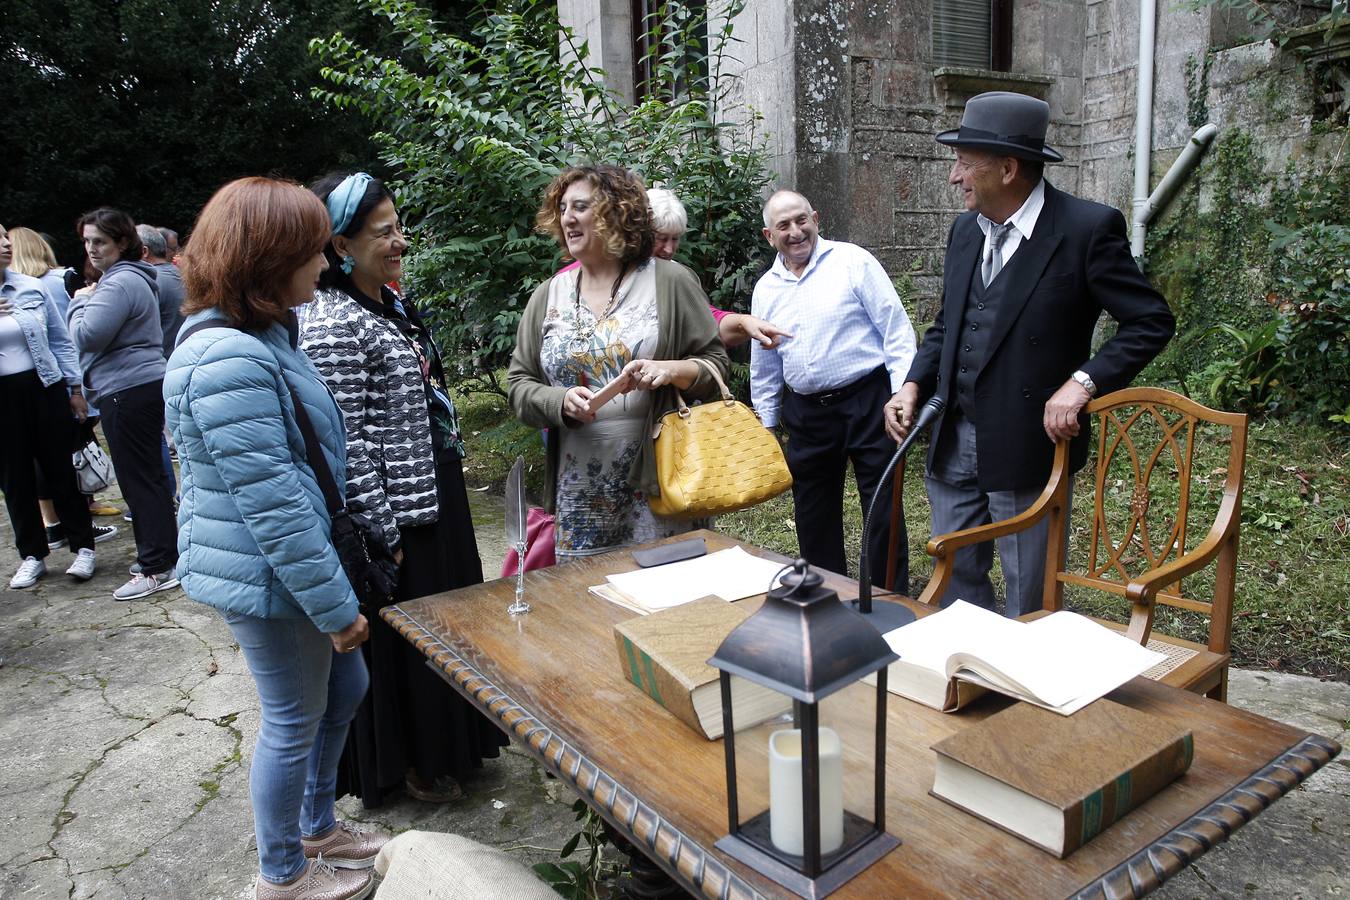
143	585
30	570
83	566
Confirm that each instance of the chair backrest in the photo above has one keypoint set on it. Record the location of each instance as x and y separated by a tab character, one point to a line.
1167	503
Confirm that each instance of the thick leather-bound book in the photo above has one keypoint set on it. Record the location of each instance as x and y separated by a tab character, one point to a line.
1058	781
666	655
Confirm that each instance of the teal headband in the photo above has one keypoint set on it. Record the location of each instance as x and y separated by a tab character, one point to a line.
345	198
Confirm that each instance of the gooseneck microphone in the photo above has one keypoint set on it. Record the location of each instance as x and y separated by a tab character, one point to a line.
887	616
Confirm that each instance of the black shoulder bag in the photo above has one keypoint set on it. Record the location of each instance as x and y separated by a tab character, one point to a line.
365	557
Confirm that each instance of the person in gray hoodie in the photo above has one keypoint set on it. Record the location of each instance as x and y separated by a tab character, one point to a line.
115	326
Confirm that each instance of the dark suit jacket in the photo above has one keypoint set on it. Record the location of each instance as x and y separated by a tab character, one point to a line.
1076	264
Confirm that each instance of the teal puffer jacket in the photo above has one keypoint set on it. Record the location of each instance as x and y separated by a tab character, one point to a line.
253	529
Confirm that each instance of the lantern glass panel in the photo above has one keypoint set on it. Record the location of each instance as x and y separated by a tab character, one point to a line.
757	713
848	720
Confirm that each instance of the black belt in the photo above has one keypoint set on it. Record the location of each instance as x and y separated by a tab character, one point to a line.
829	398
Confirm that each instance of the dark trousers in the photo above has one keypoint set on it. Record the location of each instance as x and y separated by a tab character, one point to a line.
825	433
42	432
133	423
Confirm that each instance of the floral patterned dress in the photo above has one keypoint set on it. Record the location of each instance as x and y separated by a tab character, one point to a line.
597	509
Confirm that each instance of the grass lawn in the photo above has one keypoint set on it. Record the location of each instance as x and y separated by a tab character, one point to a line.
1292	609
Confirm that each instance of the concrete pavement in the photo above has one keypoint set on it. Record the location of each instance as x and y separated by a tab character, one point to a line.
126	730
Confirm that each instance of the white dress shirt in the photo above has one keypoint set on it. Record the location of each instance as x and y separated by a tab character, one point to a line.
846	319
1023	223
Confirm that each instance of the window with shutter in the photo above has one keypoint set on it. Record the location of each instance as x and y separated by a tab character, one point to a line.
973	33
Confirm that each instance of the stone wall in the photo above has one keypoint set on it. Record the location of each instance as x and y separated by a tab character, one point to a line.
850	100
899	203
762	59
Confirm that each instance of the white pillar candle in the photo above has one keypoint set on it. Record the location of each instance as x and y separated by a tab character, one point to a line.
785	791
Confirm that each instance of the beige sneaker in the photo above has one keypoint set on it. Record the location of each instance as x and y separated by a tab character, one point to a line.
321	881
345	846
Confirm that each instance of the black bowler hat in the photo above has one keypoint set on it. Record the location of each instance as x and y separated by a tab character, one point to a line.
1004	123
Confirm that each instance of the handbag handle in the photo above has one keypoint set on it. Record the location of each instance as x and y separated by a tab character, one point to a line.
722	385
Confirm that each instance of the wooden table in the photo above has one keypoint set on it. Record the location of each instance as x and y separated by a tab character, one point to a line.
552	680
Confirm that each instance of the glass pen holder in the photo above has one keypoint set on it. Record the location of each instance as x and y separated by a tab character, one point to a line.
519	607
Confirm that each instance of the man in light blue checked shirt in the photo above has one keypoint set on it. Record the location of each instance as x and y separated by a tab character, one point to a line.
853	345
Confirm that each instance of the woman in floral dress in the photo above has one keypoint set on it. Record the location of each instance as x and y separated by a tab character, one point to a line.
619	314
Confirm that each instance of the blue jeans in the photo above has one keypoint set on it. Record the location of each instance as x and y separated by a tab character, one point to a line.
165	458
309	694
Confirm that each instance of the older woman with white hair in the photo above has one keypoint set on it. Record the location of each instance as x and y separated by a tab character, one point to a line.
670	222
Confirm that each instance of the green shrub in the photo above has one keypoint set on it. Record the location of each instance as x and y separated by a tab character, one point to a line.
1312	297
1246	374
479	126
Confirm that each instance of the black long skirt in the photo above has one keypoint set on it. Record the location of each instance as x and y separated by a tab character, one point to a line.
411	719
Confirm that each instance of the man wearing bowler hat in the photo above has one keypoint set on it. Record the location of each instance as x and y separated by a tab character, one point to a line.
1027	273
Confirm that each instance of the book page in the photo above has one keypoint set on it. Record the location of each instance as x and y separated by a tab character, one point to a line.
730	574
1064	661
960	628
1098	658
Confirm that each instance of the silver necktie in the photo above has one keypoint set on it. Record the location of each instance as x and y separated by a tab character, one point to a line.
993	260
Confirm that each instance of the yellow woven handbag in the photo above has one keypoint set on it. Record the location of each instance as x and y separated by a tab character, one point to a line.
715	458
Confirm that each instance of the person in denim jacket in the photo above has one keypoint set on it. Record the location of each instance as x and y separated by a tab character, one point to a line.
40	390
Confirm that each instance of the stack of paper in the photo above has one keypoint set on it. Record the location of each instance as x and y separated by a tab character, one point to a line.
729	574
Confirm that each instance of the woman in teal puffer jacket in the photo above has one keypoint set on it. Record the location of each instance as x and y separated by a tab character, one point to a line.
254	533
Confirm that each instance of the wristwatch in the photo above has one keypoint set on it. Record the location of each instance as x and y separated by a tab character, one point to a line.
1086	381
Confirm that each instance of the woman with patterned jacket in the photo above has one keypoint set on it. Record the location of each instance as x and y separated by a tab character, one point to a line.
405	475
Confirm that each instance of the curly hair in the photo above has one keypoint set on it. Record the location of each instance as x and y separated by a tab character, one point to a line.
623	219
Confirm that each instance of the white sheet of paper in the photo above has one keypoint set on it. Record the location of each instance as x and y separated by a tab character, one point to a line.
730	574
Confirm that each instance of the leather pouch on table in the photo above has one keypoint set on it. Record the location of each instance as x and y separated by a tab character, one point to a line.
669	553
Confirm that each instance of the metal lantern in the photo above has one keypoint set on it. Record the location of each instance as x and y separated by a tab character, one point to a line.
802	806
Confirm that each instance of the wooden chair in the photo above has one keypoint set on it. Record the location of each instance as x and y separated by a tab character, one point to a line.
1140	545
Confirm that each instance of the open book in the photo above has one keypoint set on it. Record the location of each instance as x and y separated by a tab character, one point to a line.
1061	662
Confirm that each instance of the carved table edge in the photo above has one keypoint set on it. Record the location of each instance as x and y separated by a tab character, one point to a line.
1149	868
683	859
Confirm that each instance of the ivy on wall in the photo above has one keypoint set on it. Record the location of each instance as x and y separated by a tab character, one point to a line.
1255	267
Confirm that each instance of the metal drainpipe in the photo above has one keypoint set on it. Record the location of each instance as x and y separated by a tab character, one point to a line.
1143	121
1176	176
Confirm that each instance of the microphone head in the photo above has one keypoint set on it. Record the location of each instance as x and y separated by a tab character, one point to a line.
930	411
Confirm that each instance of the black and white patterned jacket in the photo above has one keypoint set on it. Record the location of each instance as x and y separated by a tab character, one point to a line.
375	376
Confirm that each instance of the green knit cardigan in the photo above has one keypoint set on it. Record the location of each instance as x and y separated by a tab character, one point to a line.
686	330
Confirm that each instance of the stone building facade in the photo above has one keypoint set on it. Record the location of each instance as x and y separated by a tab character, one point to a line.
851	93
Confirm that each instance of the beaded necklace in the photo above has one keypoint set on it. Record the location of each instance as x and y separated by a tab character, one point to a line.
582	335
